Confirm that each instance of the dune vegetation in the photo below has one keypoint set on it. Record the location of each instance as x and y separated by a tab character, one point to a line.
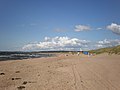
109	50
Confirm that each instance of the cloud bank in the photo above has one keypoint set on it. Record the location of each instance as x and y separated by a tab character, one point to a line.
79	28
66	43
107	43
115	28
58	43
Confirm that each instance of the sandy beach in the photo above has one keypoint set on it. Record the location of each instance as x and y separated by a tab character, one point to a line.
72	72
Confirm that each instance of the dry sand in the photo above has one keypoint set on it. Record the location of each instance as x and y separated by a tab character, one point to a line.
72	72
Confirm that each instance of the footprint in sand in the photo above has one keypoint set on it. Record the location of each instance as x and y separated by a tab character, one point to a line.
25	82
21	87
2	73
16	78
17	72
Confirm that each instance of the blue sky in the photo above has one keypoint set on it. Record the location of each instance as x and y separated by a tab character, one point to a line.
24	24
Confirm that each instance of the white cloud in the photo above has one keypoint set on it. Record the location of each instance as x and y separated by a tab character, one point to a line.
47	38
79	28
57	43
107	43
99	28
66	43
115	28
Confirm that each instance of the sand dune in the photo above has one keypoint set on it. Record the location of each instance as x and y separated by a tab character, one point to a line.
72	72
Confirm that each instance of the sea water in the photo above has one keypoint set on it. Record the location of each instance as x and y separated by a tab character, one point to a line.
21	55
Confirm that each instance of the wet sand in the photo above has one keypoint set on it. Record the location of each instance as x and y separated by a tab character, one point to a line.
72	72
